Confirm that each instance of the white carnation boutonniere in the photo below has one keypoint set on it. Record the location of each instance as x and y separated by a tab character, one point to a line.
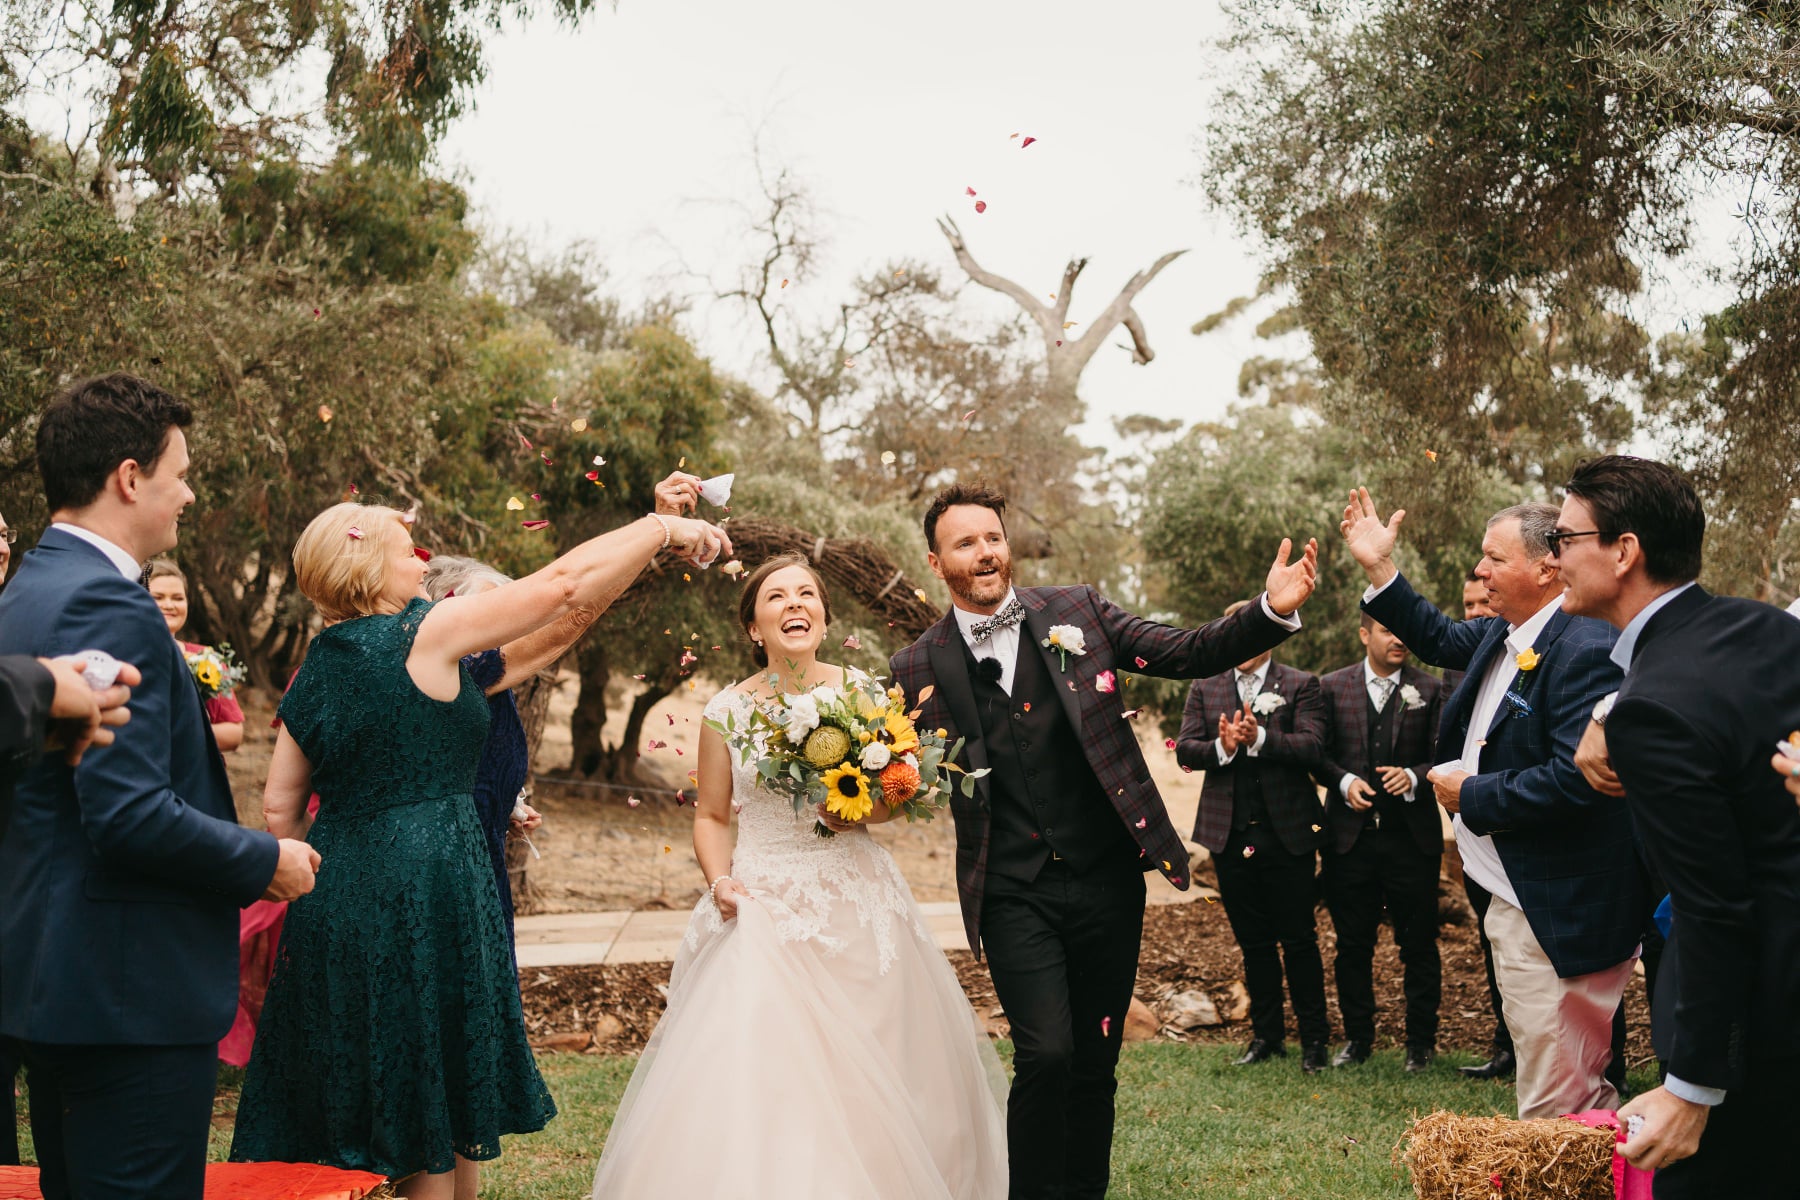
1267	702
1066	640
1409	696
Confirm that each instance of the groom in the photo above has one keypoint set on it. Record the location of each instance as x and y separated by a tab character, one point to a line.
1051	850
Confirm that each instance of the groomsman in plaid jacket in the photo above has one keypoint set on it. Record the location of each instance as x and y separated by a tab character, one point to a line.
1384	840
1258	732
1052	848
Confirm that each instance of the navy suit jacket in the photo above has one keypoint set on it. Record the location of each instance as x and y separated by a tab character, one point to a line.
120	879
1569	851
1709	694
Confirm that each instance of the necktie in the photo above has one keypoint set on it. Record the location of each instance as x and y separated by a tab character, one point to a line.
1006	618
1384	691
1246	687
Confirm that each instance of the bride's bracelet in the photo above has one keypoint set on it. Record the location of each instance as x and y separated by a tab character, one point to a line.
668	534
713	888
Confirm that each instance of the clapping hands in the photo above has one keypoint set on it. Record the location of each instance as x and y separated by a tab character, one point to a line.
1237	729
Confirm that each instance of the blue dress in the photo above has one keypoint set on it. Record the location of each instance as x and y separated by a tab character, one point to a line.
505	764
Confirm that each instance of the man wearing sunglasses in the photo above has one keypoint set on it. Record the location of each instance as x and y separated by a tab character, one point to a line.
1556	855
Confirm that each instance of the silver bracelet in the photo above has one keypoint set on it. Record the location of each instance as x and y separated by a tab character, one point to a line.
668	534
713	888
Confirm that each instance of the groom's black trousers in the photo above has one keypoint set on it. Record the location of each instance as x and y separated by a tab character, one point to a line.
1063	953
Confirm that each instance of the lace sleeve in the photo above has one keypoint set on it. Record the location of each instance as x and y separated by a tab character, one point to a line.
486	668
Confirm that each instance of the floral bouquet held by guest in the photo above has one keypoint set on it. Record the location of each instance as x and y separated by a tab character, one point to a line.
840	746
216	670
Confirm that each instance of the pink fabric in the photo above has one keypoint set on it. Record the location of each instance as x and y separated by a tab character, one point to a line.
1629	1182
259	935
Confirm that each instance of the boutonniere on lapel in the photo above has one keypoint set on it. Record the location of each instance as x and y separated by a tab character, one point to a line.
1409	696
1266	703
1066	640
1526	660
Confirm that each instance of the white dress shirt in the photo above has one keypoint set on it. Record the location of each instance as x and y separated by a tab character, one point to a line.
1375	698
129	567
1002	644
1261	675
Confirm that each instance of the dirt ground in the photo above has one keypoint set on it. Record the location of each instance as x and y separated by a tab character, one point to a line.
600	853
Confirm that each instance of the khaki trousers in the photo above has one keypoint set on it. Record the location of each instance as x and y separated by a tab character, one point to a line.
1561	1028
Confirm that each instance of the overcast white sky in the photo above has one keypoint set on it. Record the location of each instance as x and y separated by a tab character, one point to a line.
628	131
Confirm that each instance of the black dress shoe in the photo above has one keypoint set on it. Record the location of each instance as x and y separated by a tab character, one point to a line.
1312	1058
1260	1050
1353	1052
1500	1066
1418	1057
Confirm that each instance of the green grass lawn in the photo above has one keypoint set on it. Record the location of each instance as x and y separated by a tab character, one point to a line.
1189	1124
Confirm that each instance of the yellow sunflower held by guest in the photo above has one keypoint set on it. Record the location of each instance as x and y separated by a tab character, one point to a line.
207	673
847	793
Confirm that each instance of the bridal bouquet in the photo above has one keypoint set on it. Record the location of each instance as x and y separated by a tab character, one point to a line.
841	747
216	669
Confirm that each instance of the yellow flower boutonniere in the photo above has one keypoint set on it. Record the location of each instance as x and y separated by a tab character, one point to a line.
1527	659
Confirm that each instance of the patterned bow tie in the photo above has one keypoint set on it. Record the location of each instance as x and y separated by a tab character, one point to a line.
1006	618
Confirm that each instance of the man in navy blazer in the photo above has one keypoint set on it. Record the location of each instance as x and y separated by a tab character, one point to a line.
121	877
1707	695
1557	856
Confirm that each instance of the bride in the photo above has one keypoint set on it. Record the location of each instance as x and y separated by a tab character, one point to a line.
816	1042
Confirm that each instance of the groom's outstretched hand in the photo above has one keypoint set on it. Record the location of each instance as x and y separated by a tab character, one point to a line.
1369	539
1289	584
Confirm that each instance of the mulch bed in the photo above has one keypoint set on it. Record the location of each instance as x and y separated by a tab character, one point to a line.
1186	946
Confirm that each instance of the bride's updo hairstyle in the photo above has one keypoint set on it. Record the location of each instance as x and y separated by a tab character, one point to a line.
753	586
343	573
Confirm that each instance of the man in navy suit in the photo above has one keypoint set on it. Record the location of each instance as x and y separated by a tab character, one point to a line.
1706	695
121	877
1556	855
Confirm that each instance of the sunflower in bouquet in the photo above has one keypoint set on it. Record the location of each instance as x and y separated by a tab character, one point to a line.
844	747
216	670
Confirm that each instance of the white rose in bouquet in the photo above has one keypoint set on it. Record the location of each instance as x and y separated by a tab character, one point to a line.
875	756
800	718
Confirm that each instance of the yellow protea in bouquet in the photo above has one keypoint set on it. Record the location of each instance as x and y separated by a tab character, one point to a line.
216	670
847	748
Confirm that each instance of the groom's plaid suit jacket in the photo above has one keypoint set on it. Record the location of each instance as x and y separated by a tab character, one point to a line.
1116	641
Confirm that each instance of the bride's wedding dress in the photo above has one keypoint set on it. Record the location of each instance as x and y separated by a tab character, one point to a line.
816	1046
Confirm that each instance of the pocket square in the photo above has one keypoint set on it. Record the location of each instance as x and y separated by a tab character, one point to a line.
1520	706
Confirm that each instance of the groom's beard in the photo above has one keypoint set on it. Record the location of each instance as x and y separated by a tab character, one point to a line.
980	591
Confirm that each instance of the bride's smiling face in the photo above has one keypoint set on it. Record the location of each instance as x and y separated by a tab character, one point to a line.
790	614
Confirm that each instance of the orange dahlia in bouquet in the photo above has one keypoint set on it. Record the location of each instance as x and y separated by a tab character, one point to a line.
845	747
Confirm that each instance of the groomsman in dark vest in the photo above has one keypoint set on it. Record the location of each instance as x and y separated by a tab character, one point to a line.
1052	848
1258	732
1384	838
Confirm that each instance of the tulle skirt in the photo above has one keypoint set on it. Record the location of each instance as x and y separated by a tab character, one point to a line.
784	1070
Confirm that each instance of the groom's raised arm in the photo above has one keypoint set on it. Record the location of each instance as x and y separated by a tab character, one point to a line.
1151	648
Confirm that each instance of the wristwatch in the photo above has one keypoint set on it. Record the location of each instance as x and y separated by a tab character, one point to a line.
1603	709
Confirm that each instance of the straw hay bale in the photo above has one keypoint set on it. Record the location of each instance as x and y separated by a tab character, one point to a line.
1496	1158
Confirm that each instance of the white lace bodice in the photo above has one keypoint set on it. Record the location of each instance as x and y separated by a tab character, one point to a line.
801	875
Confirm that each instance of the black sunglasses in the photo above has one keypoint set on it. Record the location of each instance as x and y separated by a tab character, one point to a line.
1556	537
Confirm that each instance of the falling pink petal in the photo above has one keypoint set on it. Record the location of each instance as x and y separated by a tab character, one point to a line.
853	643
536	496
524	441
633	801
1143	822
671	717
656	745
1169	743
356	535
1106	682
969	190
981	206
422	554
1141	662
593	477
1130	714
1026	142
534	524
1249	851
1105	1026
639	678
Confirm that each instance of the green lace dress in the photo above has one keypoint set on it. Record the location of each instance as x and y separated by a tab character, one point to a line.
392	1037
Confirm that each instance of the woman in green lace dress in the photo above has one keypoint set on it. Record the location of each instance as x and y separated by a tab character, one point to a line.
392	1038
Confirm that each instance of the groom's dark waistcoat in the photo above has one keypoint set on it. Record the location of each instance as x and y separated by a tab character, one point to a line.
1046	798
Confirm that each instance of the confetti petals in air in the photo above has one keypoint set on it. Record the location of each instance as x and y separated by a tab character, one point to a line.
534	525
